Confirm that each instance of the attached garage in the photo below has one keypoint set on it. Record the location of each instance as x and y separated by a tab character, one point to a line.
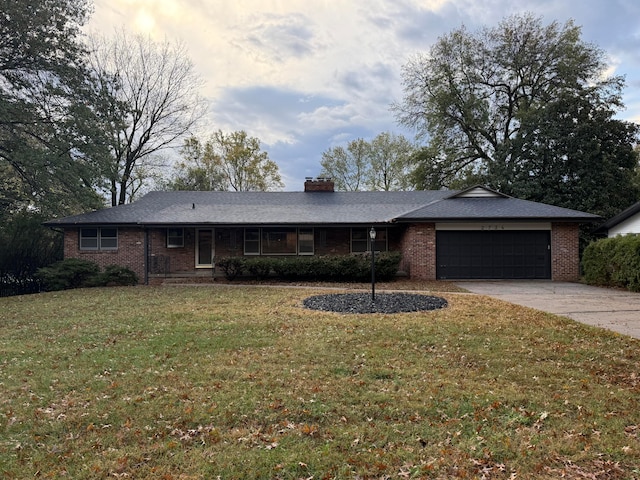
493	254
477	233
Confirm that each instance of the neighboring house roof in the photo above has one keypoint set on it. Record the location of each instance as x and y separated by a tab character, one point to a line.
315	208
618	219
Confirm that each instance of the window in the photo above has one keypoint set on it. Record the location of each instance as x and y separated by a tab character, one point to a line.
252	241
175	237
88	239
305	241
108	239
361	243
105	238
278	241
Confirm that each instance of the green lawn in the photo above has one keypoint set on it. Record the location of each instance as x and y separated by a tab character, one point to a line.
228	382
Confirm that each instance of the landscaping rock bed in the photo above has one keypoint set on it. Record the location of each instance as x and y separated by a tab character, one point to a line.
384	303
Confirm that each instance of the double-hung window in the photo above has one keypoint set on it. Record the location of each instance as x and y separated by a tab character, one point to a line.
361	242
99	238
175	237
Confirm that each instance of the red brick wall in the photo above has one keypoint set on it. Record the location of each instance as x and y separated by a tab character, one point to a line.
419	251
417	242
565	254
130	252
171	260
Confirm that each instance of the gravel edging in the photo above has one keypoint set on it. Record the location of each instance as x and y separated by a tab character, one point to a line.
384	303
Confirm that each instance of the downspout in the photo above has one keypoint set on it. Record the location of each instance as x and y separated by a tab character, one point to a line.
146	256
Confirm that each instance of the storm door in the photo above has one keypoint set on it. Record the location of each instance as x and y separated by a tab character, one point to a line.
204	248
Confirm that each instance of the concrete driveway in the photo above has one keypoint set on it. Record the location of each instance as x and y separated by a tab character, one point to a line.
616	310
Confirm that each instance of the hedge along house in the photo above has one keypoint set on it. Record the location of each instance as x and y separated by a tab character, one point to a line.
476	233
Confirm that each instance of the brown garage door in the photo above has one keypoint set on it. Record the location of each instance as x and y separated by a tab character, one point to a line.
493	254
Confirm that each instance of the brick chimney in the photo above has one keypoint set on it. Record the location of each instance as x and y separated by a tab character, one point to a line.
320	184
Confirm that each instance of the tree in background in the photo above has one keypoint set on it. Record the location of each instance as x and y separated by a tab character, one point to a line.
382	164
51	148
232	161
390	161
524	108
199	168
155	102
347	167
51	145
578	156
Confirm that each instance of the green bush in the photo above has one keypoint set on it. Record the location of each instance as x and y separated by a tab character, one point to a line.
330	268
78	273
342	268
114	275
259	267
231	266
613	262
66	274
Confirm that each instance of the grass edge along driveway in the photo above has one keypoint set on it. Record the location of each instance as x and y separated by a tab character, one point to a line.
194	382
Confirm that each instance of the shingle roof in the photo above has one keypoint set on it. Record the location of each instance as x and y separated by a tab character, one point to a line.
621	217
316	208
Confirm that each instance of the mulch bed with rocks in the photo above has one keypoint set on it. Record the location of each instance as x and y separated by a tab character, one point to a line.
383	303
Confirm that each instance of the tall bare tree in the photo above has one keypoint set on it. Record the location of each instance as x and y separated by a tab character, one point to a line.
156	102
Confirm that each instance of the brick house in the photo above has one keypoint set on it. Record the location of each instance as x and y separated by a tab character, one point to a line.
444	234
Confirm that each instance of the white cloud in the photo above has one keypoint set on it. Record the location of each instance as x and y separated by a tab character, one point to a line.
307	74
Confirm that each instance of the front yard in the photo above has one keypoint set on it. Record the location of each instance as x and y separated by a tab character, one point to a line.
242	382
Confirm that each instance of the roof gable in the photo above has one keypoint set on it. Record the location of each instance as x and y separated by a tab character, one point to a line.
621	217
478	191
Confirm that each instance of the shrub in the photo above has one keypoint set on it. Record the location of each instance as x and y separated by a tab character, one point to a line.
387	265
231	266
260	267
66	274
345	268
613	262
331	268
78	273
114	275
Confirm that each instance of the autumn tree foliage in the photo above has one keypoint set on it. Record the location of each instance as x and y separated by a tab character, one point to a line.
525	108
383	164
225	161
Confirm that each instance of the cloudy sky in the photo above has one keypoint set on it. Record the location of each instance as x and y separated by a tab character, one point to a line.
307	75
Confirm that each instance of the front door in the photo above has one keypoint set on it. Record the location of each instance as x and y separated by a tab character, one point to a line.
204	248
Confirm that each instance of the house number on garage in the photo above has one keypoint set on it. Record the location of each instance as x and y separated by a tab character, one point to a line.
492	227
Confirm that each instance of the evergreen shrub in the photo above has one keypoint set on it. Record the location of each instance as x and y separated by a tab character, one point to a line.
77	273
613	262
331	268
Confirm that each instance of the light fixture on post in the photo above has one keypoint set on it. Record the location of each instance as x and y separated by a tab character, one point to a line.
372	237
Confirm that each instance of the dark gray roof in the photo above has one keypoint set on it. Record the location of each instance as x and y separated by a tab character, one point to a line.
315	208
498	208
621	217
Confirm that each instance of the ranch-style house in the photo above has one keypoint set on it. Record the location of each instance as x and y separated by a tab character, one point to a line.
477	233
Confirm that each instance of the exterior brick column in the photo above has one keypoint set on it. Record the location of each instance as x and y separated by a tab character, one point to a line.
565	254
419	251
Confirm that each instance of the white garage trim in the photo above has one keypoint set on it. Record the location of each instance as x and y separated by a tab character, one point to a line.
493	226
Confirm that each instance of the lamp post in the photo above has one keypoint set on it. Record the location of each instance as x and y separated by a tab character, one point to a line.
372	236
